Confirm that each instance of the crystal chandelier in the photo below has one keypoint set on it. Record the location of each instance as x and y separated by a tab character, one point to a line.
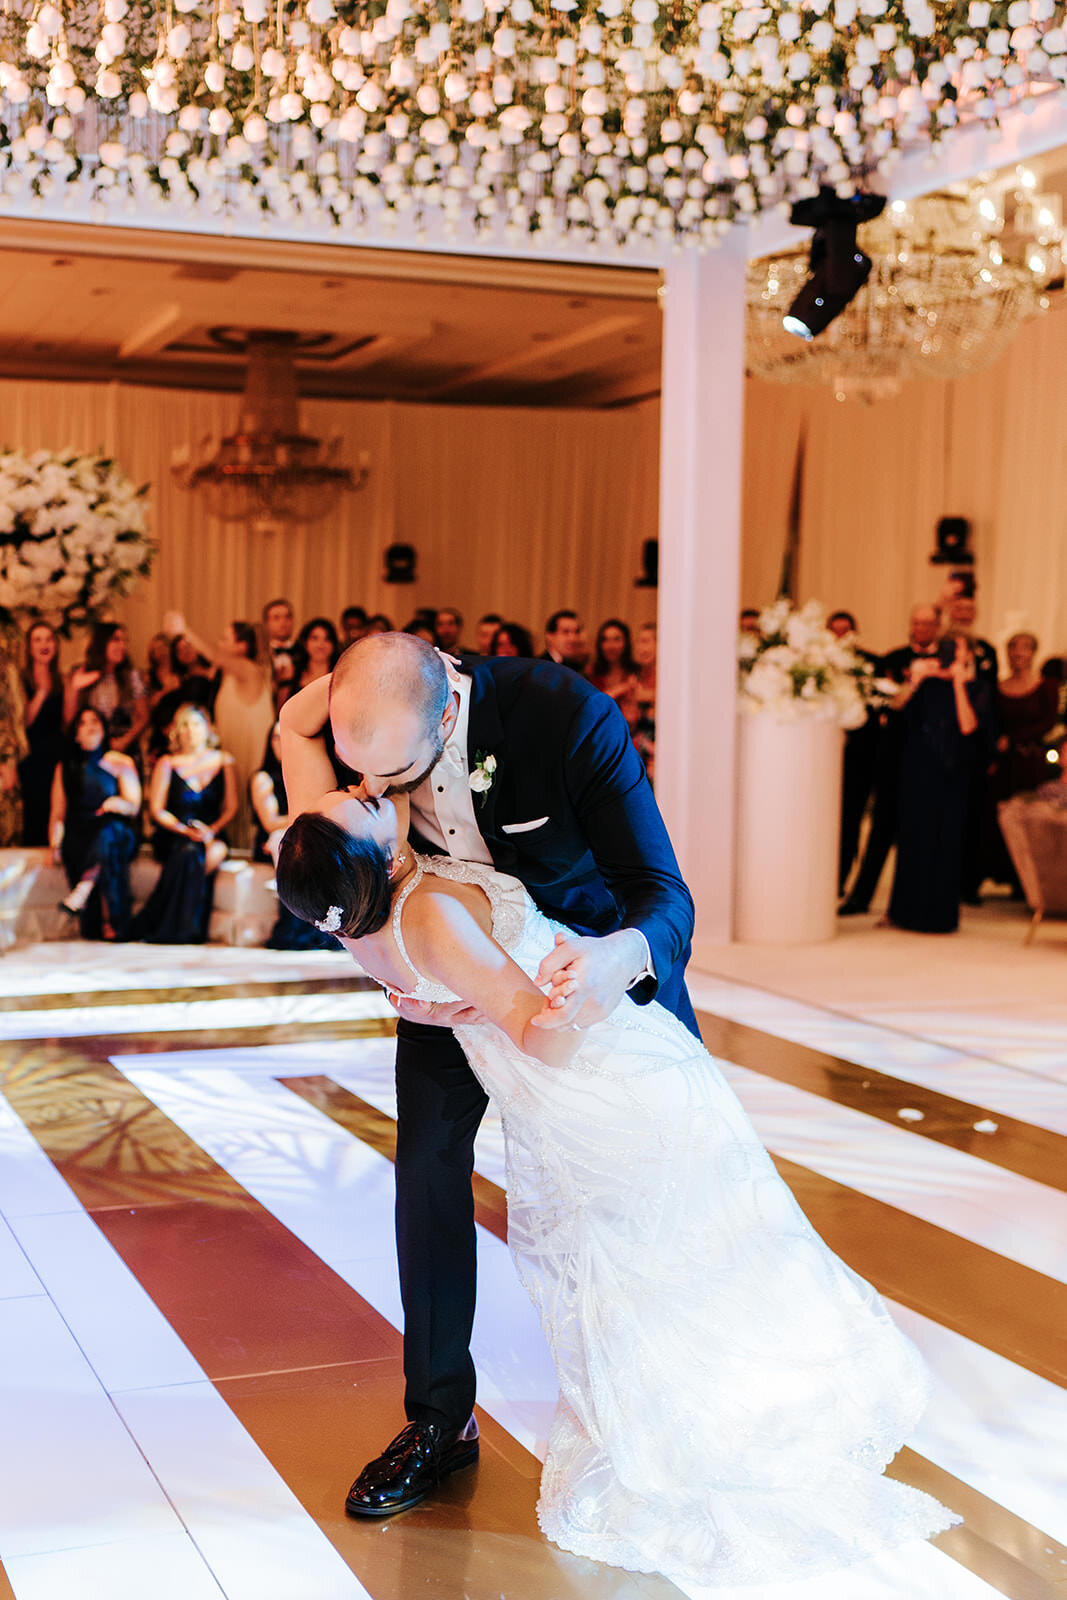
267	471
952	283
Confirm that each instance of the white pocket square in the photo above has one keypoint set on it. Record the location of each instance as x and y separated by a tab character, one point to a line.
524	827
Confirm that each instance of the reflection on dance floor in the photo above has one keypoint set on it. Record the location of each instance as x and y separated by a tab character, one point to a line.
199	1309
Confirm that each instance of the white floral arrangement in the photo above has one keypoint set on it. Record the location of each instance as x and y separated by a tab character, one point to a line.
796	668
73	534
603	120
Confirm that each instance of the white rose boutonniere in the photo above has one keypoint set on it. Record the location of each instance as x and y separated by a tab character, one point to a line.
484	775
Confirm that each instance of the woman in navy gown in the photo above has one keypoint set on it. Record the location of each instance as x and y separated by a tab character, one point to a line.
946	726
42	685
96	801
266	791
193	796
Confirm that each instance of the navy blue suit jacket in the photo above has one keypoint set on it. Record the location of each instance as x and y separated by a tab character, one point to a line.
601	859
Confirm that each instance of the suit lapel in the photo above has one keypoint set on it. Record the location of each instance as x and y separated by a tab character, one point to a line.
485	737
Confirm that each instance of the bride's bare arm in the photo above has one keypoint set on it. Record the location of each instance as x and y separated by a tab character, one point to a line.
446	944
306	766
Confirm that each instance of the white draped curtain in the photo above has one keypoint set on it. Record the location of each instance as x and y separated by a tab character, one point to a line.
515	511
877	478
522	511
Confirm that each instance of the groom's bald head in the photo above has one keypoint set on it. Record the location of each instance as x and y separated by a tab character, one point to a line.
391	709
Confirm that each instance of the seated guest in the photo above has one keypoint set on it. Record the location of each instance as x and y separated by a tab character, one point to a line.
42	686
96	801
278	625
565	641
269	802
193	796
512	639
483	633
379	623
448	626
945	711
614	669
314	655
110	683
421	629
353	625
644	734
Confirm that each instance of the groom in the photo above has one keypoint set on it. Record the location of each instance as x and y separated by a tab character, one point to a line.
527	767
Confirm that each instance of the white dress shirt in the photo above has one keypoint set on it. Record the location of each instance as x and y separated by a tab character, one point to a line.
443	805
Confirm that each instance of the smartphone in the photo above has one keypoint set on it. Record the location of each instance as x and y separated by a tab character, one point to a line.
946	653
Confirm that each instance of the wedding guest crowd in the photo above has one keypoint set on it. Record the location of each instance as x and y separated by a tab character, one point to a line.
183	756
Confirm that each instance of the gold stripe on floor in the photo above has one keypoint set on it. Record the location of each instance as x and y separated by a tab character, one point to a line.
168	994
311	1371
372	1127
1031	1152
6	1591
1019	1560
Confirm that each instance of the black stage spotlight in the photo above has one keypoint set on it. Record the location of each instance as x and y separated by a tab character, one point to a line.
837	267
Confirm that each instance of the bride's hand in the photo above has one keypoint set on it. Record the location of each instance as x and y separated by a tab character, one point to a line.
587	978
434	1013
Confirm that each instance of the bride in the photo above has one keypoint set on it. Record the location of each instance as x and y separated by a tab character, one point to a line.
730	1391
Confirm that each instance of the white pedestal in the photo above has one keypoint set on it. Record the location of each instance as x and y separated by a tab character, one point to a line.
788	829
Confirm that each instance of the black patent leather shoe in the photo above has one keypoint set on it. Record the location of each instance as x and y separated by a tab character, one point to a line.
417	1461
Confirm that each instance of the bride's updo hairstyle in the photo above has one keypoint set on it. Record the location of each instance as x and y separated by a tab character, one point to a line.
321	865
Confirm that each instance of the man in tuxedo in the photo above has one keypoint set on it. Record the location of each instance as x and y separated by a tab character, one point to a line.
923	634
279	626
565	807
565	641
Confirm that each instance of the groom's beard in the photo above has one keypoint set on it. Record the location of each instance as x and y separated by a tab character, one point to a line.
409	788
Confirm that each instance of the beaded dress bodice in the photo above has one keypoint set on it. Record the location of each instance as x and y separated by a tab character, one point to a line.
518	926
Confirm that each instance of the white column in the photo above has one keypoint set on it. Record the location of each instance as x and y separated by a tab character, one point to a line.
700	565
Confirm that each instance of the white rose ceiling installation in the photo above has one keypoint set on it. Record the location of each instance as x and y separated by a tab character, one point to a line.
630	121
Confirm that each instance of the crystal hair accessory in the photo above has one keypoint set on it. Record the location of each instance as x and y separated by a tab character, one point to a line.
331	921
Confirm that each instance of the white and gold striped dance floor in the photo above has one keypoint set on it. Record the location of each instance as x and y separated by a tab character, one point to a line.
199	1310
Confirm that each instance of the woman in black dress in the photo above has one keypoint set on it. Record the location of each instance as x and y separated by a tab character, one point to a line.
1027	710
96	800
943	709
42	686
193	796
266	792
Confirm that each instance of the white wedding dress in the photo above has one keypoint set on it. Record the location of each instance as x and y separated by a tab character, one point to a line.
730	1391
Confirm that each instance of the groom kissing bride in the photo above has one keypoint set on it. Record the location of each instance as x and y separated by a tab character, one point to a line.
729	1390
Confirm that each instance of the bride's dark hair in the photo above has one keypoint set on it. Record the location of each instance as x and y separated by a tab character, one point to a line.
321	865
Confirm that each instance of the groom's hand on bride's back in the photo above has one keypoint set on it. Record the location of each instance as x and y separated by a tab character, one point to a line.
434	1013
